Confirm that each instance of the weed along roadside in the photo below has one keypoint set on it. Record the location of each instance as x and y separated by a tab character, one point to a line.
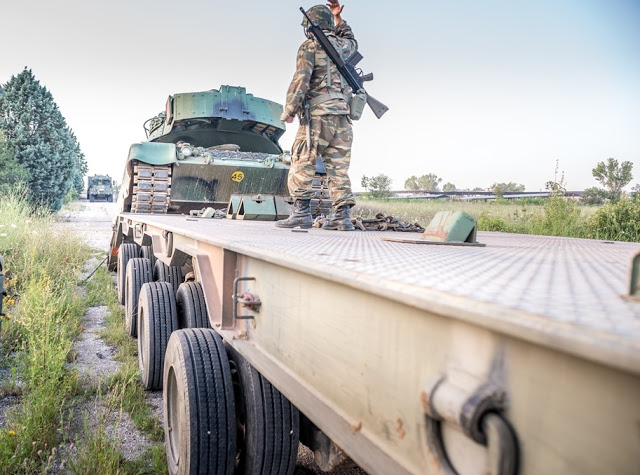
555	216
43	317
69	401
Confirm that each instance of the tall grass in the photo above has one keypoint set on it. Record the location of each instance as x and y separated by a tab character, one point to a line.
43	318
556	216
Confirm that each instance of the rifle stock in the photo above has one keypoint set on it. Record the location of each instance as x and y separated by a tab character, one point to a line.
377	107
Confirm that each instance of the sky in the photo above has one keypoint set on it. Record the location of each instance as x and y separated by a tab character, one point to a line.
478	92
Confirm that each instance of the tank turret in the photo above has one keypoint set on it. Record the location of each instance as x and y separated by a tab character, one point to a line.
204	148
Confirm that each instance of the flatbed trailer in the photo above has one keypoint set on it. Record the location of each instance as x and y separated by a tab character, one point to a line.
522	356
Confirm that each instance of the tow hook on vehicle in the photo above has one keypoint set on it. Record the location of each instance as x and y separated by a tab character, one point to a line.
480	415
247	299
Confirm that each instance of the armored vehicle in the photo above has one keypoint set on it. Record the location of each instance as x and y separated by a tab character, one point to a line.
99	187
207	148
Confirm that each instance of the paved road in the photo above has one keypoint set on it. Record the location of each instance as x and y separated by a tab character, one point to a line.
92	221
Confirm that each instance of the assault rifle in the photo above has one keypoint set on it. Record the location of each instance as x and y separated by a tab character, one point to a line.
346	67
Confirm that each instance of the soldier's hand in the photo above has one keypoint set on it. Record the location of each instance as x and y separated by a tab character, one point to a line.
335	7
289	119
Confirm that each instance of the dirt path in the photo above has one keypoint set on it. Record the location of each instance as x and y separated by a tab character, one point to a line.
93	358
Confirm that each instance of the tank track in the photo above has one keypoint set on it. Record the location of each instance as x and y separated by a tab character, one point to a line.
151	189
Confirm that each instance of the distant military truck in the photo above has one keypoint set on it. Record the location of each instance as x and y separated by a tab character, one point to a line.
99	187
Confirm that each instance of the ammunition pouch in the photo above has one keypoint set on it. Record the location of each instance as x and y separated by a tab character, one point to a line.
356	104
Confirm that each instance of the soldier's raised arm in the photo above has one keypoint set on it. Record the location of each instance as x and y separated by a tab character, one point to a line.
336	9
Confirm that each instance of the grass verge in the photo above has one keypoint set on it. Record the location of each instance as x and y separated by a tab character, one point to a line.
44	316
44	311
556	216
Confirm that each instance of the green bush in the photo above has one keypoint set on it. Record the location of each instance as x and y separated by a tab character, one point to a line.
561	217
488	222
617	221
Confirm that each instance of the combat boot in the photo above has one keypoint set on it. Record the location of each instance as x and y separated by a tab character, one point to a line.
340	220
300	216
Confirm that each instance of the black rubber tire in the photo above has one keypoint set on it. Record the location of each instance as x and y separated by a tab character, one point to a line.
126	251
157	320
267	423
147	253
192	309
110	198
199	412
165	273
138	273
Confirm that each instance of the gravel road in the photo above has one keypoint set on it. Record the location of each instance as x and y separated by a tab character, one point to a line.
94	360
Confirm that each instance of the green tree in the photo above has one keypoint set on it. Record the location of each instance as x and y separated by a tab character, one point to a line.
449	187
499	189
613	176
38	137
81	168
12	173
411	183
378	186
593	196
429	182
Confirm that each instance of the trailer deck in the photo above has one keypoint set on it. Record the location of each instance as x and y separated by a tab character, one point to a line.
533	287
354	330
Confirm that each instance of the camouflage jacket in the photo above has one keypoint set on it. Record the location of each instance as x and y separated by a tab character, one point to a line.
310	79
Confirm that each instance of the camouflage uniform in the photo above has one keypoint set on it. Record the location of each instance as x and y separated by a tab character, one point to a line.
331	132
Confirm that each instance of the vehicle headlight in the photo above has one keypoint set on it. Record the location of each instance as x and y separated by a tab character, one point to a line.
186	151
286	157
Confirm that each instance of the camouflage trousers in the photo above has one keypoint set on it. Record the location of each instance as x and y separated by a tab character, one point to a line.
331	138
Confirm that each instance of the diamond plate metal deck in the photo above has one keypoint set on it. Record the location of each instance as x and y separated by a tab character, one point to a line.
550	290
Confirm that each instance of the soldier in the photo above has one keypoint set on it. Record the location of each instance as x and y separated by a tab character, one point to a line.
319	95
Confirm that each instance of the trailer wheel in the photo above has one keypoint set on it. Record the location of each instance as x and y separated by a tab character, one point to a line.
267	423
147	253
126	251
192	310
138	273
157	319
165	273
198	404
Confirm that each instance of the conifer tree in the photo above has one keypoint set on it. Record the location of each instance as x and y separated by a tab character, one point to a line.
81	168
38	137
11	172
